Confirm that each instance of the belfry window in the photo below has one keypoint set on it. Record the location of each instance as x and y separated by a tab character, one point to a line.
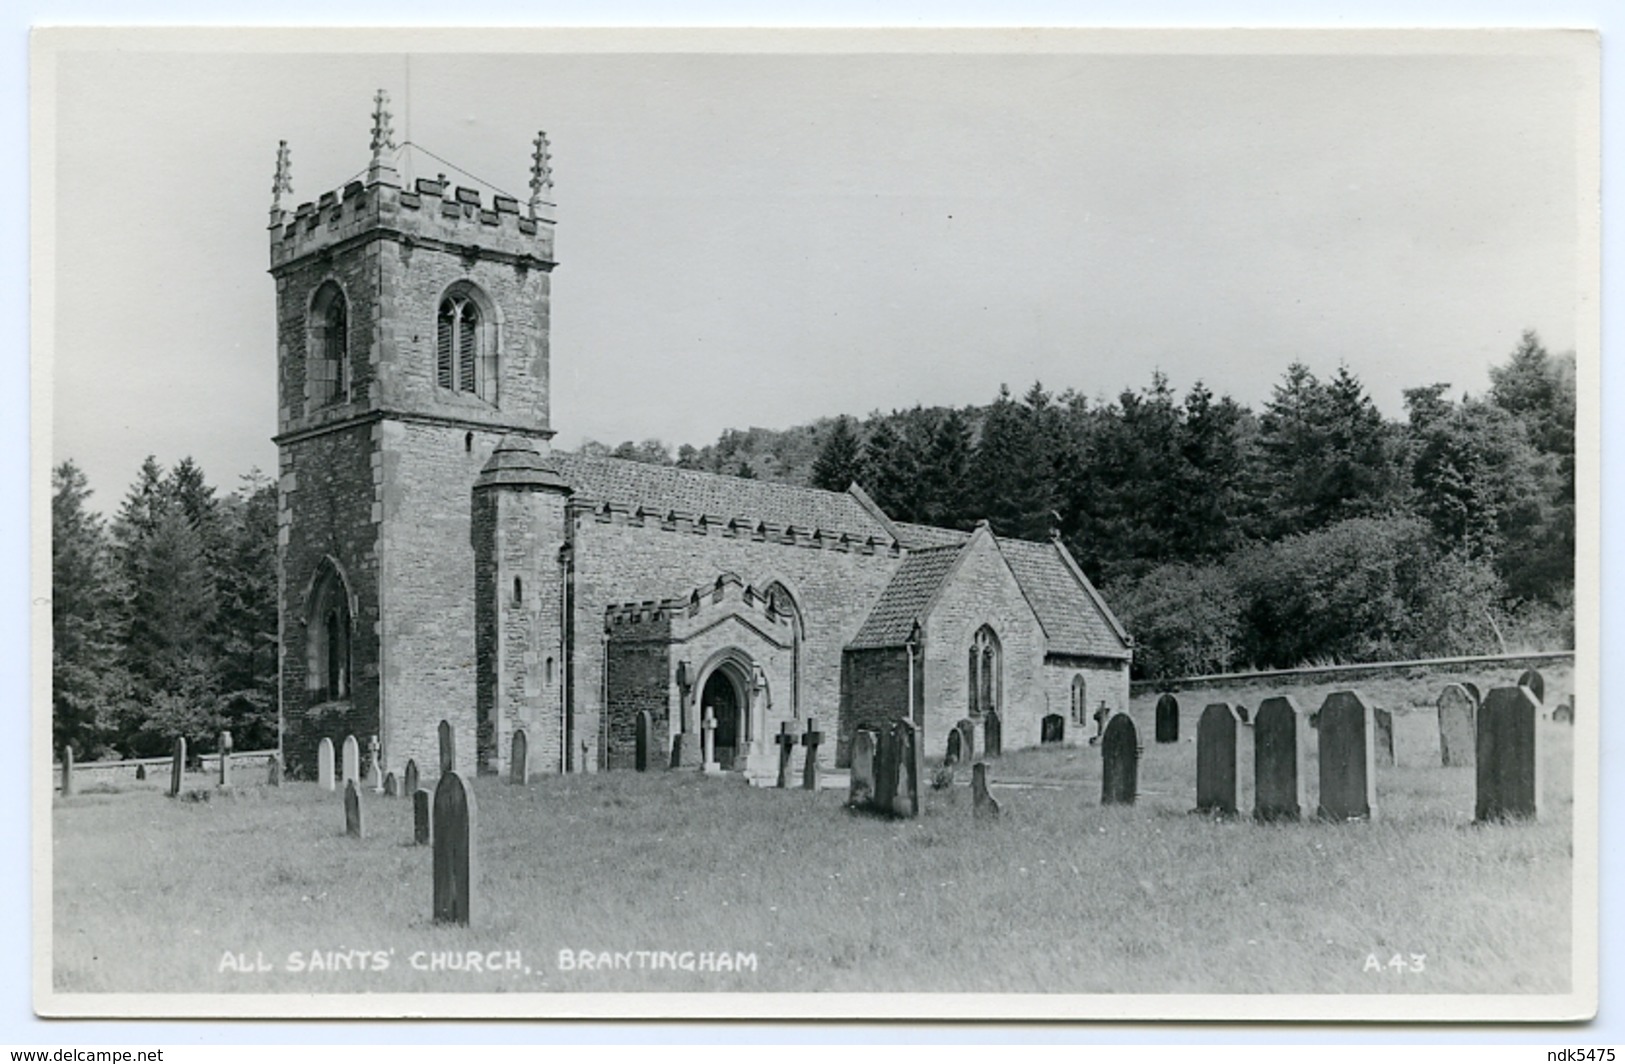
985	672
465	346
327	673
327	375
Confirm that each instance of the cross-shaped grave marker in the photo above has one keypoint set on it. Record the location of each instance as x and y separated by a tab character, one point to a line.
810	739
708	750
374	748
787	742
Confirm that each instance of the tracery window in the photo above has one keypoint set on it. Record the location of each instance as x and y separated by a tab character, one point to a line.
466	345
985	672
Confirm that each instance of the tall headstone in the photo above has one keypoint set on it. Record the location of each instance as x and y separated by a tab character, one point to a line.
954	753
786	740
409	779
809	769
1278	776
67	772
273	770
1457	730
1508	755
1119	761
983	805
352	810
420	817
375	764
1382	731
1167	719
708	742
1216	760
456	864
350	763
448	748
992	733
392	786
967	739
645	736
905	799
1348	774
519	759
861	791
177	767
1536	683
324	764
224	746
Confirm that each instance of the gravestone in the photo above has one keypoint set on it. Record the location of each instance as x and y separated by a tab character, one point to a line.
224	746
983	805
324	764
1508	755
177	767
67	772
448	748
352	810
1382	731
993	734
392	789
955	749
645	727
1348	775
905	800
1457	742
1478	696
786	739
420	817
1216	760
1563	714
273	771
708	743
1536	684
809	770
1052	729
861	791
1242	716
456	865
409	781
140	772
1119	761
519	759
350	763
375	764
1278	777
967	739
1167	719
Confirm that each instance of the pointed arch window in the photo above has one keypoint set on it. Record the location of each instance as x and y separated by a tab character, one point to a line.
784	604
328	673
1080	699
986	666
466	344
327	363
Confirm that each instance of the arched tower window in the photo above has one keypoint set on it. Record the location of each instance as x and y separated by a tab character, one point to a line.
327	364
784	604
1080	699
327	673
986	672
466	344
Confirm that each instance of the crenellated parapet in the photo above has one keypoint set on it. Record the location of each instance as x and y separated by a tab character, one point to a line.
665	618
619	513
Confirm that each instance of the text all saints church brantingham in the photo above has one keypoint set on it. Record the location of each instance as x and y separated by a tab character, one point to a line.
438	560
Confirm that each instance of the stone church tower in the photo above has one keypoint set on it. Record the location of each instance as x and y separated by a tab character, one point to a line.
420	530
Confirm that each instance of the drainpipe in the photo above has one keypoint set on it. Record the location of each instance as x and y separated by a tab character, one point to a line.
567	640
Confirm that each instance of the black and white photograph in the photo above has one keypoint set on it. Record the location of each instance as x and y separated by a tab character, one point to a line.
812	524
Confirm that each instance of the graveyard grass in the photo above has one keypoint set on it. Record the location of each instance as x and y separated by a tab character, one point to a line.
1059	895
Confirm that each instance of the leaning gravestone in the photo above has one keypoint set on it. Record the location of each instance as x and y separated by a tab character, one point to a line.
1536	684
1167	719
645	727
409	780
1348	776
456	867
392	788
420	817
1278	778
1382	729
519	761
448	748
352	810
224	746
983	805
955	751
905	800
967	738
786	740
1457	708
1216	760
1508	755
324	764
176	767
67	772
862	788
350	764
809	769
1120	761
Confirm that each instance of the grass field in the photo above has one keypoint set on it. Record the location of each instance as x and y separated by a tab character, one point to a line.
153	894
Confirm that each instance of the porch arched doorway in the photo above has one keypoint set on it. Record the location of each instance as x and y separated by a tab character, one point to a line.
726	694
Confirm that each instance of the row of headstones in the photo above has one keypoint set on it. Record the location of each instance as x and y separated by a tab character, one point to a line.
177	768
887	763
810	739
1507	758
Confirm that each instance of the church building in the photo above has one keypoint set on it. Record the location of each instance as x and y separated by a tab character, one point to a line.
439	560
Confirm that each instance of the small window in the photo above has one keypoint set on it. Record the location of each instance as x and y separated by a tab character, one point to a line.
518	590
550	671
1080	699
327	353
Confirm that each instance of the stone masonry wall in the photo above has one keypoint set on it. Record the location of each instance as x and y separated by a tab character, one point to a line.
530	650
1103	680
639	680
874	692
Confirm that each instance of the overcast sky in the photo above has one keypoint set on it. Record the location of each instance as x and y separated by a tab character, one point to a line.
752	239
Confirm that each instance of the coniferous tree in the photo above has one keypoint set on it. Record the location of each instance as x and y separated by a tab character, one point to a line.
86	678
247	590
840	460
944	471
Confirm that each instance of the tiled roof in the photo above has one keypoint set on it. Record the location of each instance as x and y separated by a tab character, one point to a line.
1074	621
905	598
919	537
662	489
